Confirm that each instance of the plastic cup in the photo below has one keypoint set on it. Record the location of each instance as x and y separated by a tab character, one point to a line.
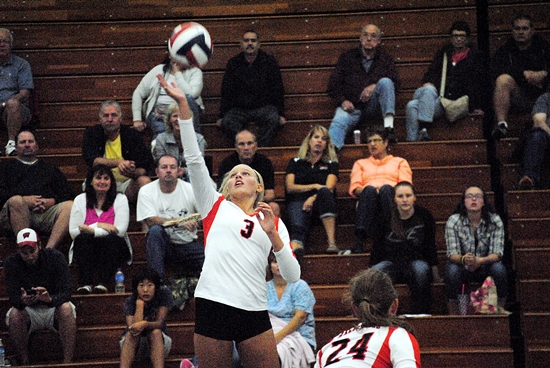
463	303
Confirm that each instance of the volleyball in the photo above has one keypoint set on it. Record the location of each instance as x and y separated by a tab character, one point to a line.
190	44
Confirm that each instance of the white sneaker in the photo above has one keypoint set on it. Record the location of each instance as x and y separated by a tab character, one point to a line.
10	148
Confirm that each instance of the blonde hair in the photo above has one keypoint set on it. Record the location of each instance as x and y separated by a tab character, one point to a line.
329	153
169	111
224	189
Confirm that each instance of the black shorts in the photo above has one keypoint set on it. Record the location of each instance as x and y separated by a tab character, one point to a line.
222	322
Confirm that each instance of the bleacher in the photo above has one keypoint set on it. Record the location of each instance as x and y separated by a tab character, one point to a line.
85	51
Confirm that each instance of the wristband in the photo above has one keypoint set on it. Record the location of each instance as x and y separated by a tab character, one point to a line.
462	259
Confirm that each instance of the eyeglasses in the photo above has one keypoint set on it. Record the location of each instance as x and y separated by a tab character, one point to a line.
472	196
374	140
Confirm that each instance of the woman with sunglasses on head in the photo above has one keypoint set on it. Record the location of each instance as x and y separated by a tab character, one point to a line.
240	232
371	182
405	248
475	244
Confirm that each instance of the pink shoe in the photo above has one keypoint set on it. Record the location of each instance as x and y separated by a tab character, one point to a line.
186	363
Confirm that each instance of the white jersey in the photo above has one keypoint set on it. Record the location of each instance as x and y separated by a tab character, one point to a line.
371	347
236	246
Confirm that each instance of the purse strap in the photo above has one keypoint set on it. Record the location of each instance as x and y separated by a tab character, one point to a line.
443	76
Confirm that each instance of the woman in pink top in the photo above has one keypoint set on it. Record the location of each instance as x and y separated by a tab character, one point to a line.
372	181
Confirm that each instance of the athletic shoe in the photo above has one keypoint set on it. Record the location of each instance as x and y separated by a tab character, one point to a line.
500	131
10	149
100	289
423	135
346	252
84	290
526	183
332	249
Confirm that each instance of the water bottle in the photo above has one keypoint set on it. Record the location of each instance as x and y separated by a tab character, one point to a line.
2	354
119	282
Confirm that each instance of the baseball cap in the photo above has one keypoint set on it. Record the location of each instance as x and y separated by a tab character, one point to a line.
27	237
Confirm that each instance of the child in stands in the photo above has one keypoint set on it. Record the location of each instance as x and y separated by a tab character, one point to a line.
146	311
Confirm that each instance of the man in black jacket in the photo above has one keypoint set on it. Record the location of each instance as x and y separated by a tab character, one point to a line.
520	68
252	90
38	283
119	147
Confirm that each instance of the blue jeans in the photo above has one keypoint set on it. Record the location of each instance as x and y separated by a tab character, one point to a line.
534	153
265	117
299	221
189	257
425	106
456	275
417	274
372	204
382	101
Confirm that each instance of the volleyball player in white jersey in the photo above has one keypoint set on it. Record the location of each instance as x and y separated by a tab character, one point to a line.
381	340
239	233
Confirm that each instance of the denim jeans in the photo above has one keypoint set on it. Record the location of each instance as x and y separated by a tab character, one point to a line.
418	275
189	257
372	204
382	102
425	106
265	117
456	275
299	221
534	153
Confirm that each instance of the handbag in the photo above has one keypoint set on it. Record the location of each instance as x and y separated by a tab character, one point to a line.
454	109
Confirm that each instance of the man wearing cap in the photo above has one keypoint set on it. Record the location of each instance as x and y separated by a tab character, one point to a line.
38	283
34	193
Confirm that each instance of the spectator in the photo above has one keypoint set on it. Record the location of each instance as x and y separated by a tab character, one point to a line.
310	181
38	283
535	144
15	89
240	232
464	76
170	198
98	225
363	86
291	308
146	311
405	248
475	241
246	153
374	302
520	68
252	90
150	101
169	142
34	193
371	181
119	147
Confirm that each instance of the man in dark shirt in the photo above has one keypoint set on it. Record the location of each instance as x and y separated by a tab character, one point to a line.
252	90
246	147
34	193
38	283
520	69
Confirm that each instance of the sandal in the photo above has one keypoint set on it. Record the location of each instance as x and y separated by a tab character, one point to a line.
333	249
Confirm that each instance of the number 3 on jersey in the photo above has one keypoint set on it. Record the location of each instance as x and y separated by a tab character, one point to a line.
248	229
357	351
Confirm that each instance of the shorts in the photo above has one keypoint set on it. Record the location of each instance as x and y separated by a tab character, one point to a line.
223	322
42	318
41	222
143	349
122	186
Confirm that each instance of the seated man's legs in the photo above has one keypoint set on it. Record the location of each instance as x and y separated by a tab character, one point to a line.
419	277
15	114
420	111
505	87
234	121
342	123
156	244
267	122
60	227
387	267
66	321
190	256
131	187
534	152
17	212
18	322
